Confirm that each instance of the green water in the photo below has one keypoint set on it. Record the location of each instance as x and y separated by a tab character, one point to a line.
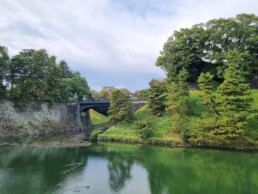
121	168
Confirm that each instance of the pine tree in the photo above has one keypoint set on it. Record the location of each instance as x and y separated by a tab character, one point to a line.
156	101
234	97
208	88
120	106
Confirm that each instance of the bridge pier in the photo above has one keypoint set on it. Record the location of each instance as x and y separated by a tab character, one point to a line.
86	122
74	112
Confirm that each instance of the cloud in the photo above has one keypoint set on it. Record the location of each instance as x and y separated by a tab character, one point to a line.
111	42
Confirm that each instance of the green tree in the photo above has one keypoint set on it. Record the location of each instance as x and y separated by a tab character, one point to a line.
142	94
72	85
234	97
208	89
30	71
65	69
105	91
120	106
4	59
204	47
34	75
156	101
178	100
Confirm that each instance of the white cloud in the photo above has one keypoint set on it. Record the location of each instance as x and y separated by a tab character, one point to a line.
116	37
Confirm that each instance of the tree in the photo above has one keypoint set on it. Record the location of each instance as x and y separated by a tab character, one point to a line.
30	72
208	89
65	69
120	106
156	101
105	91
234	97
142	94
178	100
4	59
204	47
34	75
72	85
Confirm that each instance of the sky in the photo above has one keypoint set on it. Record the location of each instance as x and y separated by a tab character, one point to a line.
110	42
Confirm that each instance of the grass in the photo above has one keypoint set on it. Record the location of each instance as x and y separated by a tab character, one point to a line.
97	118
159	126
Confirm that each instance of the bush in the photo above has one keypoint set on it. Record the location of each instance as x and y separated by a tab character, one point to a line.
185	134
143	128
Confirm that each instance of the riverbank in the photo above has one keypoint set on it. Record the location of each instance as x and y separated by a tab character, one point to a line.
64	140
177	143
149	129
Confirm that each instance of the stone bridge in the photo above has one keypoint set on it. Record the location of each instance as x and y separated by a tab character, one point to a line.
80	113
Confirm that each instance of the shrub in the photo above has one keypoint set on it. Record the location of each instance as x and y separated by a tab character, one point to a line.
185	134
143	128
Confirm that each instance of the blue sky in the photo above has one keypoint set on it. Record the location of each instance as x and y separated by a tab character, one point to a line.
110	42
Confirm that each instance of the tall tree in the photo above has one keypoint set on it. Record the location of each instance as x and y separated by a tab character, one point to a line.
120	106
156	101
204	46
65	69
234	99
34	75
208	89
178	100
30	72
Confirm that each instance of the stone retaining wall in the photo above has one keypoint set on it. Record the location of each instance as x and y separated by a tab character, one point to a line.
36	120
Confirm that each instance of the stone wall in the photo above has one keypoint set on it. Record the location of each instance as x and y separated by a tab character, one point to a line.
36	120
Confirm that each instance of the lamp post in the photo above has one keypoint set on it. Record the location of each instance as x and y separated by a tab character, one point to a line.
84	98
75	97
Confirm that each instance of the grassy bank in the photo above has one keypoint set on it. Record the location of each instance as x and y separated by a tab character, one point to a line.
100	124
160	129
97	118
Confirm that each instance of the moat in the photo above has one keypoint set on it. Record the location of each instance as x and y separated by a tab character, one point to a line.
124	168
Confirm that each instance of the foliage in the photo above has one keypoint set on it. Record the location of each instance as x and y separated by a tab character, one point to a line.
105	91
158	128
142	94
156	100
185	134
204	46
234	96
74	84
120	106
34	75
178	94
208	88
178	103
143	129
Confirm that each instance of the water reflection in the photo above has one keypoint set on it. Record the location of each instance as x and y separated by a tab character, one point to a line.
26	169
119	168
122	168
